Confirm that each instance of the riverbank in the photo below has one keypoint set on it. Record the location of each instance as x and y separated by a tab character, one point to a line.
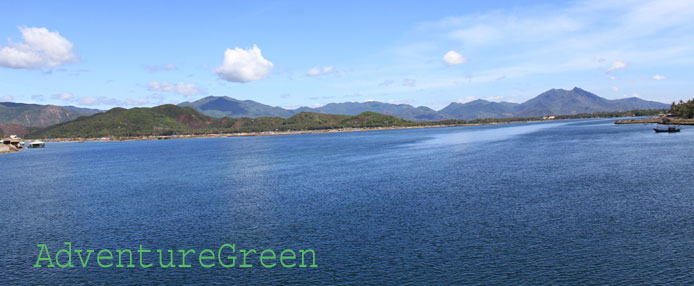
319	131
262	133
658	120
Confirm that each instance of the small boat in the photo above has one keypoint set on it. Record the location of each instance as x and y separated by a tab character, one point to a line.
37	144
670	129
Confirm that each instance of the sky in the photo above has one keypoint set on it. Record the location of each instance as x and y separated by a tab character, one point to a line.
101	54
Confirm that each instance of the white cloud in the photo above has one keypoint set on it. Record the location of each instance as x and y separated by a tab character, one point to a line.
62	96
156	68
241	65
453	58
617	65
6	98
478	34
636	95
41	48
101	100
409	82
386	82
467	99
495	98
578	37
658	77
613	77
615	89
186	89
315	71
136	102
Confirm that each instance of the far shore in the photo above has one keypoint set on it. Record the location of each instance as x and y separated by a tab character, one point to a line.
271	133
341	130
657	120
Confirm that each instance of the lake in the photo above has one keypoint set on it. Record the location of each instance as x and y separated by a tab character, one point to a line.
561	202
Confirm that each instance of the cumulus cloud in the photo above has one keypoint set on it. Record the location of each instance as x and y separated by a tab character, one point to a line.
613	78
6	98
62	96
615	89
41	49
617	65
315	71
241	65
453	58
658	77
186	89
156	68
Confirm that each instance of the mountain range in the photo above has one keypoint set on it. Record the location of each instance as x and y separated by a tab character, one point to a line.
551	102
19	118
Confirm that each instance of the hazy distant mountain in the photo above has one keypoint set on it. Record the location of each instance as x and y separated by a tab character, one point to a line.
404	111
479	109
576	100
36	115
82	110
633	103
551	102
223	106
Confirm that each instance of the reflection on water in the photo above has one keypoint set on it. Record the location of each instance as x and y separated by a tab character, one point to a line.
487	134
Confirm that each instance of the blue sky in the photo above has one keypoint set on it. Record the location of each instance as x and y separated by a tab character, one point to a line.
300	53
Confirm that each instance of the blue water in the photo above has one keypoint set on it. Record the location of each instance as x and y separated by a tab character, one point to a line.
564	202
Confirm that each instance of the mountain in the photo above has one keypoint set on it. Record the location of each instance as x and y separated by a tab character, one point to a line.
551	102
171	119
223	106
633	103
404	111
576	100
479	109
82	110
35	115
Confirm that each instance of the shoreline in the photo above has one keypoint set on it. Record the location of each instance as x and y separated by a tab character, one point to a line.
658	120
333	130
272	133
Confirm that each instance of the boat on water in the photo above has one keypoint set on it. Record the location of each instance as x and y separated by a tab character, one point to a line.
669	129
37	144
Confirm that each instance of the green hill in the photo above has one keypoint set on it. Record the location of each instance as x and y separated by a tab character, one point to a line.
171	119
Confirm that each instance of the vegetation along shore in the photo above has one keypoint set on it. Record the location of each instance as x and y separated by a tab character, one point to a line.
681	113
171	121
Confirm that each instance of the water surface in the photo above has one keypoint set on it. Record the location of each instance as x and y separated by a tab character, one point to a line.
565	202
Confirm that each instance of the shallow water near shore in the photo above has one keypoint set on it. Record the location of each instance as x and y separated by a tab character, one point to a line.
566	202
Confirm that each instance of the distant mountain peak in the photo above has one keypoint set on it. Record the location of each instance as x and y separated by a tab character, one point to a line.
555	101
